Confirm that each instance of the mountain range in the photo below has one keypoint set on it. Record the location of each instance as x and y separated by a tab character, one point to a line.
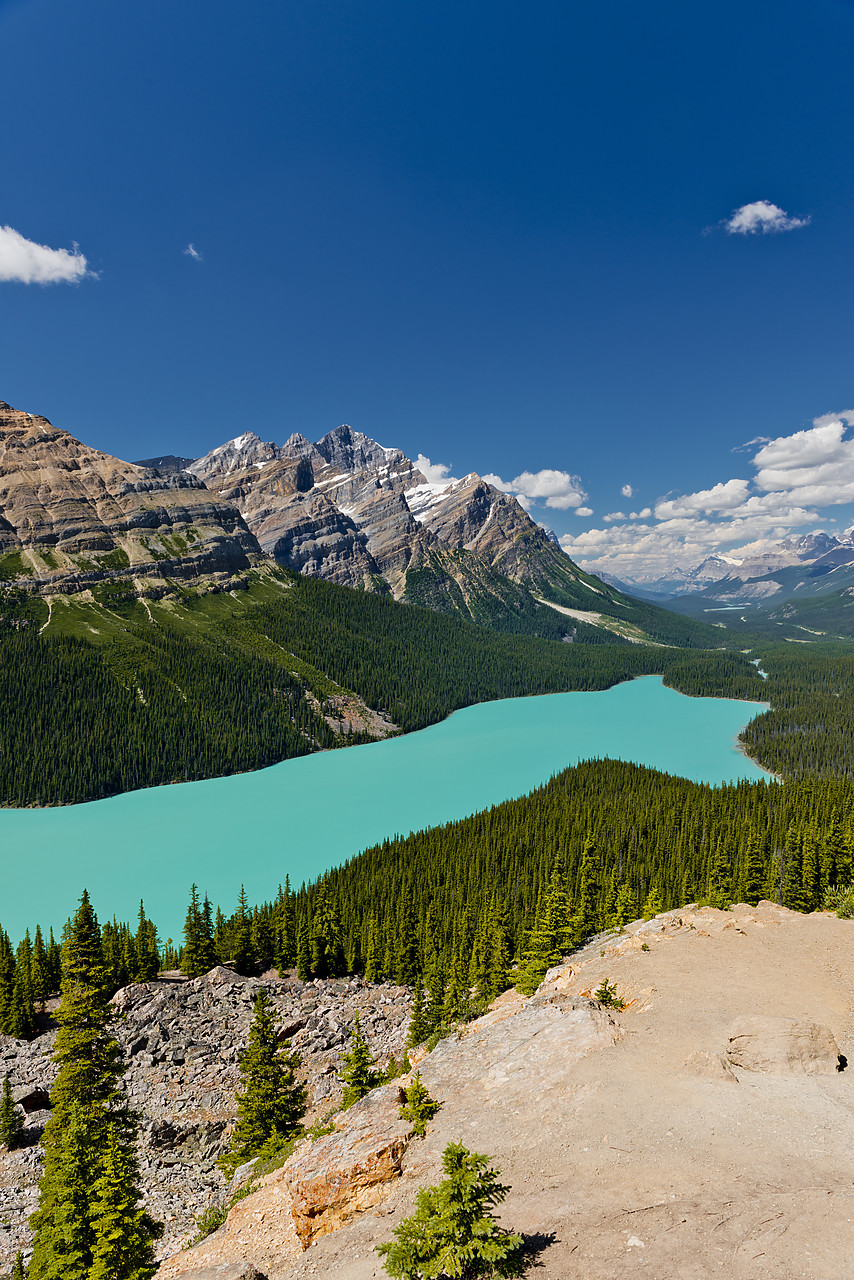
344	509
798	568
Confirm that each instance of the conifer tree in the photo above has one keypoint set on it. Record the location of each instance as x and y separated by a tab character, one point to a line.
419	1106
40	970
271	1104
11	1124
371	958
123	1231
88	1113
327	951
419	1026
303	951
550	939
586	916
453	1231
654	904
358	1073
145	952
753	883
625	907
242	956
286	947
18	1272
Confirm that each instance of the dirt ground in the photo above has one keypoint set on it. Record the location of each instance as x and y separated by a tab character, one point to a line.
624	1160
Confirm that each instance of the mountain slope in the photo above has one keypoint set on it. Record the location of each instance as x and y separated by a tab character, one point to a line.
352	511
73	516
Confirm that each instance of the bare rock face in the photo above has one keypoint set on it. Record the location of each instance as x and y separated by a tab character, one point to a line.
341	1175
783	1046
354	512
71	516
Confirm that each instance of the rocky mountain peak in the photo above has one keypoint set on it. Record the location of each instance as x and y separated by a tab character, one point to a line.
353	451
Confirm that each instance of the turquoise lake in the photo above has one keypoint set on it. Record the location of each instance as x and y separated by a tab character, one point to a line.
303	816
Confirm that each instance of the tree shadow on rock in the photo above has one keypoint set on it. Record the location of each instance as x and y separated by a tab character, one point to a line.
535	1244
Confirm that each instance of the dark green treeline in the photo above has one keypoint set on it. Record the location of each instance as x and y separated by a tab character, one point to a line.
225	685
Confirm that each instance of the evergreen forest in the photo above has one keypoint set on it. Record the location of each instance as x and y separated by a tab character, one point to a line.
104	697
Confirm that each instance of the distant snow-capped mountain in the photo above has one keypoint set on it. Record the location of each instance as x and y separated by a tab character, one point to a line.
767	575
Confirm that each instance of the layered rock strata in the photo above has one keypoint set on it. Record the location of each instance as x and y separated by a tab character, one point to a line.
71	516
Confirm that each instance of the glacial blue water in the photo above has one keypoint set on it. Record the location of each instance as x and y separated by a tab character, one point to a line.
304	816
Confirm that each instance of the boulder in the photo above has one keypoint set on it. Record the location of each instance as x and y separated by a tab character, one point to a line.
783	1046
333	1179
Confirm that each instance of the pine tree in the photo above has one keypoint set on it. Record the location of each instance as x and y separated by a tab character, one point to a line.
625	907
372	972
123	1231
654	904
327	951
271	1103
753	882
550	939
358	1074
145	953
586	916
242	955
11	1124
18	1271
419	1106
88	1113
453	1231
419	1026
193	959
40	970
303	951
286	946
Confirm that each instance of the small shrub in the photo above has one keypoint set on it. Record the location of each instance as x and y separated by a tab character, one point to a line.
419	1106
645	945
453	1232
841	900
607	995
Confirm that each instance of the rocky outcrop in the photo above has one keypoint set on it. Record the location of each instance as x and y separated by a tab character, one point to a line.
336	1177
782	1046
181	1042
71	516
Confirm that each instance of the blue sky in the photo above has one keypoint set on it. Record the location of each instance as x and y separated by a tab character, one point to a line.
494	234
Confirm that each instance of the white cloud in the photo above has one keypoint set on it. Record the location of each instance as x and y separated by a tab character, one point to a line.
558	489
651	550
627	491
30	263
813	467
761	217
584	511
795	476
435	472
720	498
192	252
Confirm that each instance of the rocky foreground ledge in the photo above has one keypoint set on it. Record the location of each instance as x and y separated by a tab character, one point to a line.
704	1130
181	1040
